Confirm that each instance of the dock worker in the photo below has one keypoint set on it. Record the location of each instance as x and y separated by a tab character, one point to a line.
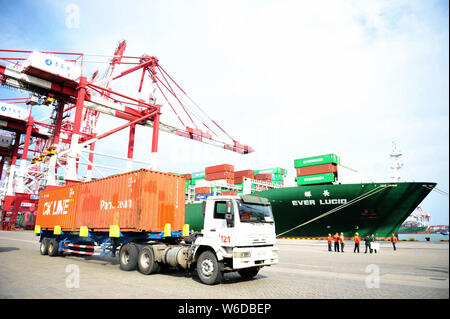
367	243
341	240
336	242
330	240
394	240
372	241
356	239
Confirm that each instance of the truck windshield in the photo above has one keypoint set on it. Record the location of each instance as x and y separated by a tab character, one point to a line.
253	213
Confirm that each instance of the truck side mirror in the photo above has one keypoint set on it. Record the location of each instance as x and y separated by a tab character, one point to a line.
229	216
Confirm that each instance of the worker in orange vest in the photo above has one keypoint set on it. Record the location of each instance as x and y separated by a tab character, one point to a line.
336	242
330	240
357	240
341	240
394	240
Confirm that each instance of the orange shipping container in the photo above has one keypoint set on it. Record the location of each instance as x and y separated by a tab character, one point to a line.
136	201
247	173
219	175
202	190
57	207
219	168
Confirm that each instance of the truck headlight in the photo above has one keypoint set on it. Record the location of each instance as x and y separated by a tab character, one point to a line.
275	252
242	254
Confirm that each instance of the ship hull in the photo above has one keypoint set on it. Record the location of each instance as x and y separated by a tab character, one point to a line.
319	210
414	230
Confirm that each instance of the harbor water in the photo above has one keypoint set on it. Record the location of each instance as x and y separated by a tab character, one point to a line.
423	237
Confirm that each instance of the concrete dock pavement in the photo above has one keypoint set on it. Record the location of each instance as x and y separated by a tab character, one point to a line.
306	270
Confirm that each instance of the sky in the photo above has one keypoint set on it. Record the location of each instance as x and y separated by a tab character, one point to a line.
291	79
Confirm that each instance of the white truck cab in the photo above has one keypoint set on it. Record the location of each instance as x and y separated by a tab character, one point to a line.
239	235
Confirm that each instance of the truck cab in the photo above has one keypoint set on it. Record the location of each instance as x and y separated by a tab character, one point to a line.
239	235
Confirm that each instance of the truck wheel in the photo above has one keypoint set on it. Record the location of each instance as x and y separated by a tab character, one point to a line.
44	246
53	247
146	261
208	268
248	272
128	256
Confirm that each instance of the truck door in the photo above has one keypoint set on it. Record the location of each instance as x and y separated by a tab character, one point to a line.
221	229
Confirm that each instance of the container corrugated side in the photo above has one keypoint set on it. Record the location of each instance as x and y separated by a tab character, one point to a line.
273	170
219	168
110	201
58	207
316	179
162	201
316	160
316	169
136	201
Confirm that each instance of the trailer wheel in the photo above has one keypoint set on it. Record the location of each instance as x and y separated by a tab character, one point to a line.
248	273
53	247
208	268
146	261
128	257
44	246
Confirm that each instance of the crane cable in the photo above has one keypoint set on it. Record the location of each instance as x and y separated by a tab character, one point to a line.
439	191
164	71
353	201
172	91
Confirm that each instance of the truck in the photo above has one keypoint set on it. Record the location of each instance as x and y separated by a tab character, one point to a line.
133	214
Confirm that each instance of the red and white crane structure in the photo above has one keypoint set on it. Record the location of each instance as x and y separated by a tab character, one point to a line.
56	79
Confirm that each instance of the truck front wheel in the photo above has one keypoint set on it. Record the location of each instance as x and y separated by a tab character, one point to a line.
128	257
208	268
146	261
248	273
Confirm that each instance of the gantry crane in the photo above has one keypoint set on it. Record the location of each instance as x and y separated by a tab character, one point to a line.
61	143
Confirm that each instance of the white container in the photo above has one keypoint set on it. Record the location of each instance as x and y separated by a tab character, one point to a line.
14	111
53	65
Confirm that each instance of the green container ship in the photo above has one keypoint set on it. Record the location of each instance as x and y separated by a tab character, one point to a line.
317	210
329	208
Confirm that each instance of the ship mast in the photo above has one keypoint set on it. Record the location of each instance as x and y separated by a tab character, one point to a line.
396	164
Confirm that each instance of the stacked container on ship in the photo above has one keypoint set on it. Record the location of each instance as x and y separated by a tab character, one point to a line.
317	169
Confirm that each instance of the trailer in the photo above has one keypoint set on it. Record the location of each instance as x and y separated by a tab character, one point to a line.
140	215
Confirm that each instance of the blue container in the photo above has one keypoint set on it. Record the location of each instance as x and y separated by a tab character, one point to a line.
203	196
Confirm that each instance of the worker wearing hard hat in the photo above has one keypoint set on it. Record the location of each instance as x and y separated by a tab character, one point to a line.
330	240
336	242
367	241
341	240
394	240
356	240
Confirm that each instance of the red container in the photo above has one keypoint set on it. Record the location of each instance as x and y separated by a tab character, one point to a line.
187	176
219	175
264	177
317	169
229	193
202	190
136	201
219	168
247	173
240	180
